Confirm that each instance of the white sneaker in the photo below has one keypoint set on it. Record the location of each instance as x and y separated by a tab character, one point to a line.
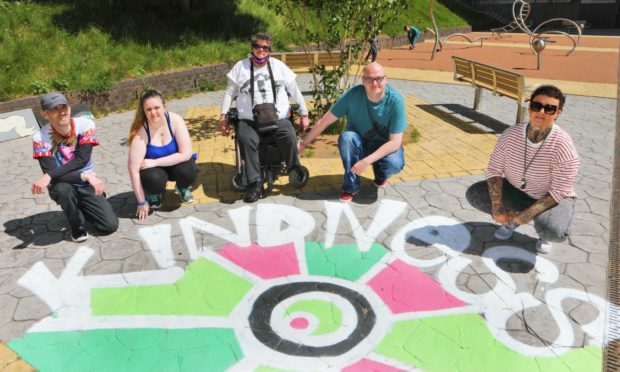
543	246
504	232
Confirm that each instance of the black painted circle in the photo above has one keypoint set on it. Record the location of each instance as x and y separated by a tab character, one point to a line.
268	300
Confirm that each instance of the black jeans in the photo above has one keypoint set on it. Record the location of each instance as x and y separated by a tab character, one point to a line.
248	144
154	179
552	225
80	204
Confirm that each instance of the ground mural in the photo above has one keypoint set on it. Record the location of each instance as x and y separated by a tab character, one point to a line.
287	304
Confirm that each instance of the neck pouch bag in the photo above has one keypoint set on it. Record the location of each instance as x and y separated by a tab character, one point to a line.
265	114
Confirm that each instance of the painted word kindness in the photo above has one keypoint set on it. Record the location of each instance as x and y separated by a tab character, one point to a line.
266	297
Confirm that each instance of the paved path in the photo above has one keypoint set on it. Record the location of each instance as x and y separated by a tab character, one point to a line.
407	277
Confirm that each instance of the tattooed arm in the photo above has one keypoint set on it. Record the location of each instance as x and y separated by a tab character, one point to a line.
534	210
496	185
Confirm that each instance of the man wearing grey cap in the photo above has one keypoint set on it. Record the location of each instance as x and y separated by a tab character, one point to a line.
63	148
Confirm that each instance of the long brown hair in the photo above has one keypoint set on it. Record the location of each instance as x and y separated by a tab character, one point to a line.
140	117
57	138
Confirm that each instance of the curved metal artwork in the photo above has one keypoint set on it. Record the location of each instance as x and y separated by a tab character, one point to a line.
524	14
524	10
535	35
440	42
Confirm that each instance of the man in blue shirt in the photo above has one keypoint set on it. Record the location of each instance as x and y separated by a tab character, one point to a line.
375	115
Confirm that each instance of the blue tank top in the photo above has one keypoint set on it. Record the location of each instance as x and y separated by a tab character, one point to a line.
156	152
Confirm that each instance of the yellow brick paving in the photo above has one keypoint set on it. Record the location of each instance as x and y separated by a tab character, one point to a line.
447	147
10	362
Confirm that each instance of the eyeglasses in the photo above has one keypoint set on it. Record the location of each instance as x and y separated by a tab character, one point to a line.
549	109
370	80
266	48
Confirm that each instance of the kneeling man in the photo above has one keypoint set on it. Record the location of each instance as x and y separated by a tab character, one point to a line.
375	114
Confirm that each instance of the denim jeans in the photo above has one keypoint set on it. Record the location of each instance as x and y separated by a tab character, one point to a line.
353	149
552	225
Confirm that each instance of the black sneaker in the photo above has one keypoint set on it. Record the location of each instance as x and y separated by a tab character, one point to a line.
253	192
79	234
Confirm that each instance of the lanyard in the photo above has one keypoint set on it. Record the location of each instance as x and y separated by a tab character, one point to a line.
273	83
526	167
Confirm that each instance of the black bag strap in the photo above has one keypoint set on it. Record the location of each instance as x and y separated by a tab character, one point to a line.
273	83
376	131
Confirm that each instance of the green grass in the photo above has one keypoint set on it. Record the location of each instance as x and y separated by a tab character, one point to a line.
90	45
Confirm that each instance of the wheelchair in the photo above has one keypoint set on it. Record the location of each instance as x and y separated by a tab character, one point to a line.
271	163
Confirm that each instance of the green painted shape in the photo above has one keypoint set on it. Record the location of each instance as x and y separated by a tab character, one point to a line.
342	261
329	316
205	349
463	343
205	289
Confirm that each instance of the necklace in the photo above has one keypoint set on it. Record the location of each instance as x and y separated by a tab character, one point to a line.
526	165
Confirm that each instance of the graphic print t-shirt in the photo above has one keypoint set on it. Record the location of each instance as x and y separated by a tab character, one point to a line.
84	130
263	93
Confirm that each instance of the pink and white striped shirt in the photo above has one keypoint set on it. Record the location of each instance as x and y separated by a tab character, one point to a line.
552	170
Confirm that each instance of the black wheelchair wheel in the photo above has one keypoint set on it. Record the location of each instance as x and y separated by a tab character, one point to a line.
298	176
237	182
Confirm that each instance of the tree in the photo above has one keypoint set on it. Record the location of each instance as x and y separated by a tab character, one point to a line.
335	25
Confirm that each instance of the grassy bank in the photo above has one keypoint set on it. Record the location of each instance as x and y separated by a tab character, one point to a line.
89	45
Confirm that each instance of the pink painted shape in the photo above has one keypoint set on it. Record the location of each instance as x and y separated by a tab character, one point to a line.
366	365
404	288
299	323
265	262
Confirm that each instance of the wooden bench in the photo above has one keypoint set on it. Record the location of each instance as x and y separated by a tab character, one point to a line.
301	60
503	82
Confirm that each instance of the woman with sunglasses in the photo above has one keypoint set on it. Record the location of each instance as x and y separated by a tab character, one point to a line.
531	173
257	81
160	149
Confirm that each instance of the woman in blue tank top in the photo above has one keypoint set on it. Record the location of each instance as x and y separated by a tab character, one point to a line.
160	150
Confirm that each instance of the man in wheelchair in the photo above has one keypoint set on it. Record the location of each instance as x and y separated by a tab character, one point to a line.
262	86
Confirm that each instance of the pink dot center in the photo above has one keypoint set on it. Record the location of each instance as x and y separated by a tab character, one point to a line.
300	323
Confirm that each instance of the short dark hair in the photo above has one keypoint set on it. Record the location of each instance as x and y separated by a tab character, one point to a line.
549	91
261	36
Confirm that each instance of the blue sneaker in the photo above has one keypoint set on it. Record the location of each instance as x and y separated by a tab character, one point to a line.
154	201
185	193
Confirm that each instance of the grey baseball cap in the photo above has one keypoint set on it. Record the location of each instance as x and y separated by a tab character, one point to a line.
49	101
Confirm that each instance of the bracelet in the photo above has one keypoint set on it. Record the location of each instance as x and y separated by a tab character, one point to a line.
141	203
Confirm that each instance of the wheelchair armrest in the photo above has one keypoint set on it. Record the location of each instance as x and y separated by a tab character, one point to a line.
233	115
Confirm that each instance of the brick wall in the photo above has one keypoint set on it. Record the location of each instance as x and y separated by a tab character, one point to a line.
124	92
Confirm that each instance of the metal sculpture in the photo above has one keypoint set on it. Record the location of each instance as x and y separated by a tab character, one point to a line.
535	35
524	14
438	42
537	40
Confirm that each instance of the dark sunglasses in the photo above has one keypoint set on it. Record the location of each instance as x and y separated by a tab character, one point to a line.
266	48
549	109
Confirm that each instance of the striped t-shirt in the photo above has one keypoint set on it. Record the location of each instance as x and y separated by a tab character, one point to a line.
552	170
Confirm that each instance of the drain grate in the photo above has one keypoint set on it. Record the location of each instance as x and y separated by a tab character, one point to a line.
612	336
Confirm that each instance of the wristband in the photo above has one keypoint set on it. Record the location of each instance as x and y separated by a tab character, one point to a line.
141	203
